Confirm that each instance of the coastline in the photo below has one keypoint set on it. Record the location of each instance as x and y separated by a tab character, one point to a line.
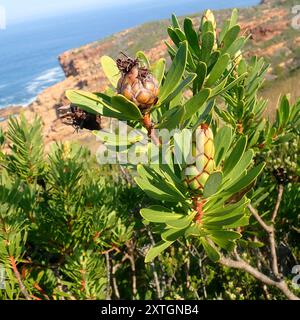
39	80
82	68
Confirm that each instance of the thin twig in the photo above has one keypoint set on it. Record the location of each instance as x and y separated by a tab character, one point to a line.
259	219
155	275
274	253
200	270
271	232
113	271
147	123
108	271
126	175
114	280
279	198
188	277
130	247
60	285
18	276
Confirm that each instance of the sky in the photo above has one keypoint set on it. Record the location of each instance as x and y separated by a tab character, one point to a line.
20	10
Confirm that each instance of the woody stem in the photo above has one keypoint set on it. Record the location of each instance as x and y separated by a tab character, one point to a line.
147	123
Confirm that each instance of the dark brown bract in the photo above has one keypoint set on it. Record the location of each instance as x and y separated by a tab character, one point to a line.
79	119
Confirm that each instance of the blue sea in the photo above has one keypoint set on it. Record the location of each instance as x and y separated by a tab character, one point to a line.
29	50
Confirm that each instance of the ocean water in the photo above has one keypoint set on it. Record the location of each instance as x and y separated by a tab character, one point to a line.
29	50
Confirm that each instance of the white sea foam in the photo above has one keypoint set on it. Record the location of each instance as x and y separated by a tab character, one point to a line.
38	84
9	101
44	80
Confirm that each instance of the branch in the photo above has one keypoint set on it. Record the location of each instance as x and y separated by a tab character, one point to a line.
130	247
259	219
271	232
114	281
147	123
273	253
243	265
115	268
108	297
155	275
279	198
18	276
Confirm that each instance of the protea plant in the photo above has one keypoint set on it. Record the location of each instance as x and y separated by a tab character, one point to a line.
210	197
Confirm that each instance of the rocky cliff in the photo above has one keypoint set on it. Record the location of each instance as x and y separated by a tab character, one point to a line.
271	37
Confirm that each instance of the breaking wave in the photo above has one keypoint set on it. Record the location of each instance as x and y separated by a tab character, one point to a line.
45	80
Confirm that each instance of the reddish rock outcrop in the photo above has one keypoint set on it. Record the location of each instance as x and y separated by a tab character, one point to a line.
83	71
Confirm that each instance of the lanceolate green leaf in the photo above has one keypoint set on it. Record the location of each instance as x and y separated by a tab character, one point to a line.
183	84
175	73
230	37
235	155
222	143
159	180
236	46
212	253
157	250
232	83
226	235
212	184
191	36
221	209
195	230
241	166
153	191
126	107
201	75
156	186
284	110
208	41
243	221
172	234
119	140
248	179
175	22
180	34
196	103
158	70
110	70
159	214
225	222
95	103
219	87
174	36
143	59
220	217
85	100
172	118
218	70
234	18
223	243
182	222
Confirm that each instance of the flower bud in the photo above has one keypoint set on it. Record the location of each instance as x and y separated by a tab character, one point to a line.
209	16
197	173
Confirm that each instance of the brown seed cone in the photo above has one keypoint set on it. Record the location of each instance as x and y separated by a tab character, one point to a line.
137	84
